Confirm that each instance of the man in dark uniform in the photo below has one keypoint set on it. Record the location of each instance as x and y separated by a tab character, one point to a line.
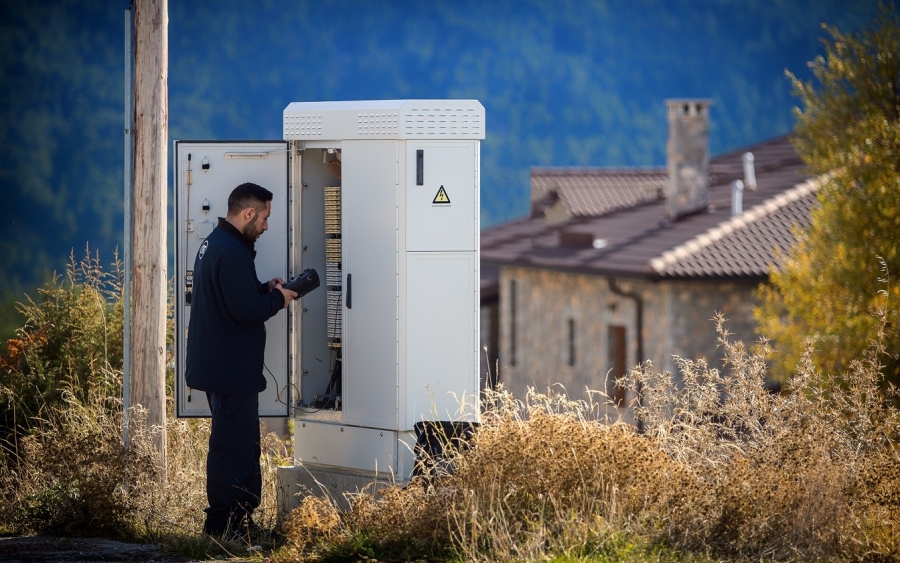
225	348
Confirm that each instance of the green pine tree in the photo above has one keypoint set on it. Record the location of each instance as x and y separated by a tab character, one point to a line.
845	266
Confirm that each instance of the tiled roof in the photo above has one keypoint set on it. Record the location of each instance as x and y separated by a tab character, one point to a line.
589	192
639	241
735	246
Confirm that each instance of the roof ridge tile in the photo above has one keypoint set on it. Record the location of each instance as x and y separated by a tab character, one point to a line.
728	226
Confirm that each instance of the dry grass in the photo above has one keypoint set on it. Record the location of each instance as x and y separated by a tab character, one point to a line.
72	476
724	470
63	467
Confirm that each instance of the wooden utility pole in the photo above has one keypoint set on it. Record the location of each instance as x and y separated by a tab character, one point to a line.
151	107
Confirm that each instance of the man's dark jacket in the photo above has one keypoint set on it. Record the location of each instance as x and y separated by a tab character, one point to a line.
226	337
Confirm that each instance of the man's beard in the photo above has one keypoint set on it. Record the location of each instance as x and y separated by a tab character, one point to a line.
251	230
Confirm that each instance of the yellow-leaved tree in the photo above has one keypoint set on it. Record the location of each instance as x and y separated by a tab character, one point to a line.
846	265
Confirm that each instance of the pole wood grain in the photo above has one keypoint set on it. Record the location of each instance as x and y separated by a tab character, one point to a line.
148	334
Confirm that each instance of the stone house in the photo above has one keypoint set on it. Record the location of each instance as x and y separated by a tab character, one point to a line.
614	267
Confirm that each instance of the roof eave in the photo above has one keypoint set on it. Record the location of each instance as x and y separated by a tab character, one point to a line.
648	275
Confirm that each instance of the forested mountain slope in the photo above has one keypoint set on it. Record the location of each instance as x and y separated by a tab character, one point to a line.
563	83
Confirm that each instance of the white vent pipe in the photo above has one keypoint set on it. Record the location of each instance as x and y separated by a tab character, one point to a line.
737	198
749	170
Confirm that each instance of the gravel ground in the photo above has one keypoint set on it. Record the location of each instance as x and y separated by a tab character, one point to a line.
48	549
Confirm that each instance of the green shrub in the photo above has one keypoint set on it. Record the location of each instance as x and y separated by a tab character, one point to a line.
69	341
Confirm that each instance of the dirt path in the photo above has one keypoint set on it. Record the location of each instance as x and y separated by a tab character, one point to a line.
46	549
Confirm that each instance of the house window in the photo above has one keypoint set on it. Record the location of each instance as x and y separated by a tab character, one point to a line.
512	322
571	360
616	358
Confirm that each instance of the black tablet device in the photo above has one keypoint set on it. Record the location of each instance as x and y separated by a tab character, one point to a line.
303	283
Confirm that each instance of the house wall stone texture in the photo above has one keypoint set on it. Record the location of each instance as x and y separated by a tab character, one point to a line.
677	321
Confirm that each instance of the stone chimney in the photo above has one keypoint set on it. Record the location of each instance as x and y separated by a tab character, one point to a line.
687	156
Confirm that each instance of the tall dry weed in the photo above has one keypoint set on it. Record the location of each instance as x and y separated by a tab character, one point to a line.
63	465
542	479
72	475
795	474
725	468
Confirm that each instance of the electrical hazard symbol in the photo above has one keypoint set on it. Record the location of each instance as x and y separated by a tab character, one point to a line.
441	196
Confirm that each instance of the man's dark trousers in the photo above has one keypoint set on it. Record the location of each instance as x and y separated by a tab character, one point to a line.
233	480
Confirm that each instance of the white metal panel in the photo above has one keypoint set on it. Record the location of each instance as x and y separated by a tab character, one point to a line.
230	164
341	445
440	213
369	199
441	366
384	119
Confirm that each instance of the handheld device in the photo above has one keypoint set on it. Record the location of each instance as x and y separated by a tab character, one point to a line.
304	282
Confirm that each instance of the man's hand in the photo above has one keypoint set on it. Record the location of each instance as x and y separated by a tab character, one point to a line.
275	282
288	294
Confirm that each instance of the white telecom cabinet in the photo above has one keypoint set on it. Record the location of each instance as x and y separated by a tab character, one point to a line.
382	199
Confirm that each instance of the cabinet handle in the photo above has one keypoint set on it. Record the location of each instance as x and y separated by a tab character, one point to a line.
349	291
420	167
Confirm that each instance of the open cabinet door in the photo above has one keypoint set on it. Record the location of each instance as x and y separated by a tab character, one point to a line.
205	174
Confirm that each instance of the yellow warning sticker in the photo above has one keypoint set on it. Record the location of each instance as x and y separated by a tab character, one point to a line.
441	196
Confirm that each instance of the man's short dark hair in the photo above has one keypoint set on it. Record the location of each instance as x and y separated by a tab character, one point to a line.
247	195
